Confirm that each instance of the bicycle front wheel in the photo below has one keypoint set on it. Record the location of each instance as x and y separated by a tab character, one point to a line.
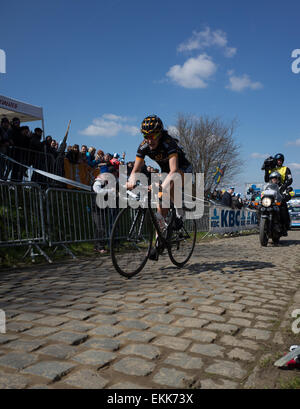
131	241
181	242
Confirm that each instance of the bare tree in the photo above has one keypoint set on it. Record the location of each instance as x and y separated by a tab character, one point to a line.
208	143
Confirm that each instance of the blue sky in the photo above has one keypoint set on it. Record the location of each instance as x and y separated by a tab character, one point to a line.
106	64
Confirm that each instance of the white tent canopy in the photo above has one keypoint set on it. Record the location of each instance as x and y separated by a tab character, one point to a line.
11	108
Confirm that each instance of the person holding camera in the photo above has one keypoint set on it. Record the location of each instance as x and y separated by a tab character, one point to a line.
276	165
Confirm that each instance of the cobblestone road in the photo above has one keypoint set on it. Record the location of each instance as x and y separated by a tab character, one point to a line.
81	325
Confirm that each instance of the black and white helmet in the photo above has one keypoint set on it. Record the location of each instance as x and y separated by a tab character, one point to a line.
275	175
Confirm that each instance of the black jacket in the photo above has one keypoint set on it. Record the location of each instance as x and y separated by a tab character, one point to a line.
226	199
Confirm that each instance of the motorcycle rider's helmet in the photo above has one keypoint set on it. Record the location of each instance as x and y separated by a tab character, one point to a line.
279	156
275	175
152	124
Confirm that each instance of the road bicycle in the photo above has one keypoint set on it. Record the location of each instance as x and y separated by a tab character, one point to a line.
136	230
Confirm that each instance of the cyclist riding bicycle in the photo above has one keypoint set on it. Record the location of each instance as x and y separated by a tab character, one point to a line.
163	149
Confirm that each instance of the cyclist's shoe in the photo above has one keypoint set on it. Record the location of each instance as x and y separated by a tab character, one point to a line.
154	254
178	223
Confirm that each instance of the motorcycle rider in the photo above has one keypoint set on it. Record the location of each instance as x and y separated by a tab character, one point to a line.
276	165
275	178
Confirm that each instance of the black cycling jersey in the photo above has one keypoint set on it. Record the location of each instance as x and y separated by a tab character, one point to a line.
166	148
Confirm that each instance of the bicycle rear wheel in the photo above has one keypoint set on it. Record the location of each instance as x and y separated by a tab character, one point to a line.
131	241
181	241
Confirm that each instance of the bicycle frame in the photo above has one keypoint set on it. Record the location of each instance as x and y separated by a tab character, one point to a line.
139	232
164	240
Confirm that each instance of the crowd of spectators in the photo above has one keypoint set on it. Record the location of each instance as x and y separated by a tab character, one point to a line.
12	134
25	146
28	147
228	198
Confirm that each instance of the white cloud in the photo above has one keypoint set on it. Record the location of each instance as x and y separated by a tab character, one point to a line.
295	166
194	72
294	143
230	52
239	83
257	155
207	38
109	125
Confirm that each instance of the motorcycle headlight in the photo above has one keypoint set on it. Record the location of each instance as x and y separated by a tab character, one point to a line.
266	202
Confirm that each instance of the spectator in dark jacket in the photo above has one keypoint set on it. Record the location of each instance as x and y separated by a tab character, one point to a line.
46	145
237	202
53	149
14	132
21	139
24	137
74	155
227	197
5	140
5	143
35	141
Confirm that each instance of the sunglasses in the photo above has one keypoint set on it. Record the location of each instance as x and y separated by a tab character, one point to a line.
152	136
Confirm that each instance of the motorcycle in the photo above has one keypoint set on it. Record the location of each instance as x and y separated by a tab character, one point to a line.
269	215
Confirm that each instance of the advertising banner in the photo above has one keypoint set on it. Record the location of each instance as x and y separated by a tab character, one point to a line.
226	220
26	112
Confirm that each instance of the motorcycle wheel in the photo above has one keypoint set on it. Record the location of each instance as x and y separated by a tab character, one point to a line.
263	236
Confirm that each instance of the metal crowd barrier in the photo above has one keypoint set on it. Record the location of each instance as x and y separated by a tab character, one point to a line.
73	217
58	217
22	217
203	222
21	214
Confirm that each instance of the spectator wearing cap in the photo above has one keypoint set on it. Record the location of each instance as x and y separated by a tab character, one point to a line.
115	163
227	197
